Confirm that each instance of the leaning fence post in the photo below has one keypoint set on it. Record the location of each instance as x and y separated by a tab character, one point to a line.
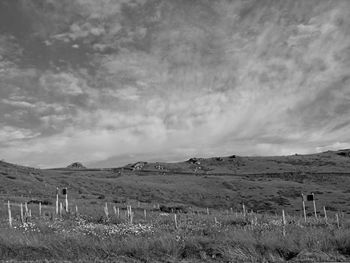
9	212
175	221
337	219
304	210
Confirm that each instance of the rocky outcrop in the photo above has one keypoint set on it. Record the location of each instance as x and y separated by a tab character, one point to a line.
76	165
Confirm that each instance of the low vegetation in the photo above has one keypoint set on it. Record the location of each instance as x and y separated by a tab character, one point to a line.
170	204
155	236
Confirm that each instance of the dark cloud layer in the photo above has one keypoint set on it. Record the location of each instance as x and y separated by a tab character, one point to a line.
94	80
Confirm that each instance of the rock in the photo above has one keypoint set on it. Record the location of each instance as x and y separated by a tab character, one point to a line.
194	161
76	165
138	165
344	153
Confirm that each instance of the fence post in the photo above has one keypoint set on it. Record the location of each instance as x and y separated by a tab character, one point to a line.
175	220
106	210
26	208
337	219
66	196
145	213
9	212
57	200
61	209
131	217
207	211
284	223
22	217
115	210
304	210
325	214
39	209
314	201
244	211
76	210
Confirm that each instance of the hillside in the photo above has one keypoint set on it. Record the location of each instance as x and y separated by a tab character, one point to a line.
262	183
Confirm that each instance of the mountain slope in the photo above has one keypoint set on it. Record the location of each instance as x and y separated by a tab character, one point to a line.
262	183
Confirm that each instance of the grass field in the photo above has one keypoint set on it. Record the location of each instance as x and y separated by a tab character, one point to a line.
265	185
195	237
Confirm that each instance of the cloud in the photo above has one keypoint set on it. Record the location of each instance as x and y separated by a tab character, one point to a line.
183	77
8	134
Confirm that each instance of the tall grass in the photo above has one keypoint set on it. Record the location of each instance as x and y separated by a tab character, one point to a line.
197	238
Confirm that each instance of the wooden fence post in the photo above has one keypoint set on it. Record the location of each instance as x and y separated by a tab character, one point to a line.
22	217
325	214
39	209
26	208
175	220
131	217
61	209
115	210
9	213
304	209
244	211
76	210
106	210
337	219
57	200
66	196
284	223
314	201
145	213
207	211
118	215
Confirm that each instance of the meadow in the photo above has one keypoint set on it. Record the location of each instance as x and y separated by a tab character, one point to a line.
147	234
265	185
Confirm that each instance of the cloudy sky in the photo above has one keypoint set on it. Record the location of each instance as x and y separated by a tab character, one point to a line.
108	82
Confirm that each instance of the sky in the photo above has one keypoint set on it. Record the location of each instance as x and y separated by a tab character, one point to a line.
110	82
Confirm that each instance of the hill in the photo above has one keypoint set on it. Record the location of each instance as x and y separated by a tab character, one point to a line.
261	183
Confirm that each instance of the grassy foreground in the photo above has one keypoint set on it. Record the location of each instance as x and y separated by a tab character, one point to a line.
217	237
